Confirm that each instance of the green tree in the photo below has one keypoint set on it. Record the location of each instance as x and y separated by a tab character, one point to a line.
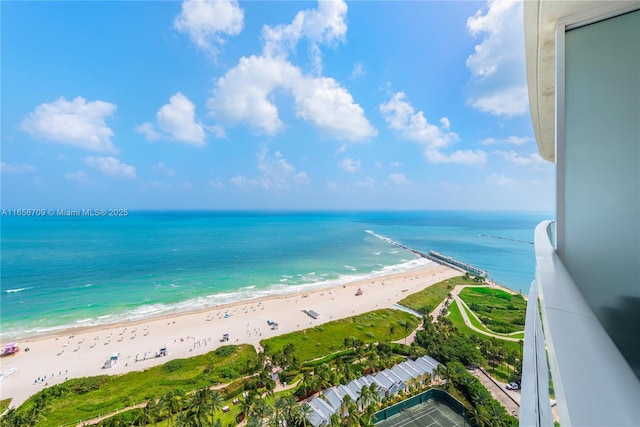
215	402
171	403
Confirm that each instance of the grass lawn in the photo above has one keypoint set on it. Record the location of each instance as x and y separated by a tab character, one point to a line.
380	325
501	373
500	311
85	398
458	321
475	322
428	299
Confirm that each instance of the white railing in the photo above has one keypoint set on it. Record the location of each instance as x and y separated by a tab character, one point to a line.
593	383
535	405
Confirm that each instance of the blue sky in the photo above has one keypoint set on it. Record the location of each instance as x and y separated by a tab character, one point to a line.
268	105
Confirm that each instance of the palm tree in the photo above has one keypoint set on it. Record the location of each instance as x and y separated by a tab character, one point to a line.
365	397
480	417
171	403
279	409
246	405
498	415
215	402
197	412
301	414
335	420
262	410
254	422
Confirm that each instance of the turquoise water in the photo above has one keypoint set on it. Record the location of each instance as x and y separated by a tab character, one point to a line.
62	272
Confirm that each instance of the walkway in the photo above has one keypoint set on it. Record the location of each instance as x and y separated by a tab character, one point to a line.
464	310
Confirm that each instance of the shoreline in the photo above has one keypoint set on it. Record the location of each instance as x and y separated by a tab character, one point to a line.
82	351
182	307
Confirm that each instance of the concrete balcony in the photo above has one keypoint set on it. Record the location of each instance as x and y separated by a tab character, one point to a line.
593	383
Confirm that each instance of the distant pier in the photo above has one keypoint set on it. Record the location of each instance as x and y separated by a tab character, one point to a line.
436	257
444	259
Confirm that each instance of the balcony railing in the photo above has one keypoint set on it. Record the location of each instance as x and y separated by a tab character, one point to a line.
593	383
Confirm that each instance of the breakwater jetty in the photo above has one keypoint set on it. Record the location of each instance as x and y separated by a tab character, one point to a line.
435	256
444	259
505	238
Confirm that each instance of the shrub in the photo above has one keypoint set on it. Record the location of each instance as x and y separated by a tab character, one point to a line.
174	365
225	350
85	385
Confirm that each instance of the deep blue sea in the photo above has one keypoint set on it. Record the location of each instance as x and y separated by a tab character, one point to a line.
60	272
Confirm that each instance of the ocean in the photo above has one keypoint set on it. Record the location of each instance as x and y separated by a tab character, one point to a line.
60	272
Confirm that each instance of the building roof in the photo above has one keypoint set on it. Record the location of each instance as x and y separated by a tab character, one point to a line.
384	381
320	412
353	394
392	376
414	368
334	397
430	360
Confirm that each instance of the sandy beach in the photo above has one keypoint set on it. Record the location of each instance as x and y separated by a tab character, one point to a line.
82	352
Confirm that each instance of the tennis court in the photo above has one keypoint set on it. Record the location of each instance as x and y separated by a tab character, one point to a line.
428	414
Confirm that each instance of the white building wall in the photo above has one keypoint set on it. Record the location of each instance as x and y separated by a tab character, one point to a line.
598	229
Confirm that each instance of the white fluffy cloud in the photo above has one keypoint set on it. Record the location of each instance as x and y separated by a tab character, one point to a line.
16	168
245	94
397	179
275	174
324	25
511	140
331	108
498	85
413	126
532	160
110	166
401	116
77	123
207	21
464	157
177	121
349	165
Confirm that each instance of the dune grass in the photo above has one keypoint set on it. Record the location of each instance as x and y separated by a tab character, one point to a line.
380	325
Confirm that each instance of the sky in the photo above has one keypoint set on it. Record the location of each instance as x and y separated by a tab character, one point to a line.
279	105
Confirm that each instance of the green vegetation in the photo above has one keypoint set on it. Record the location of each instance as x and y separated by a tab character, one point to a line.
498	310
84	398
475	322
312	343
4	405
485	411
456	318
428	299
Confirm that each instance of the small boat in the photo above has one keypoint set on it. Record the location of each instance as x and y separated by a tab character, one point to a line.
359	292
